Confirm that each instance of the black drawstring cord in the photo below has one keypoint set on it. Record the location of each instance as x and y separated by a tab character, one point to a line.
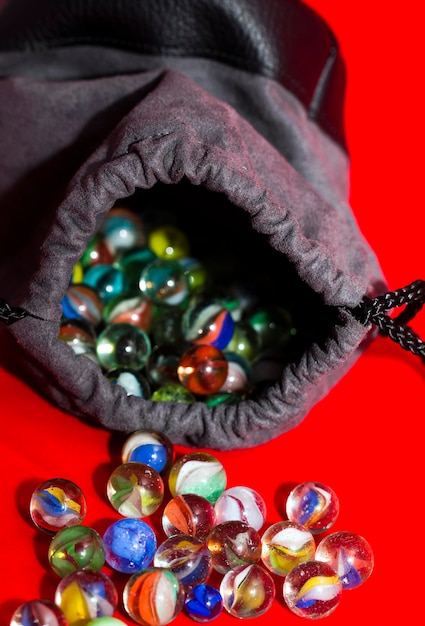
374	311
11	314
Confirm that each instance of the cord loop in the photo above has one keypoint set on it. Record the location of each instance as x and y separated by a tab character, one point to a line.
375	311
10	314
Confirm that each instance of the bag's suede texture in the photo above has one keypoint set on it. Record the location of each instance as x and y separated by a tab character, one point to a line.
73	146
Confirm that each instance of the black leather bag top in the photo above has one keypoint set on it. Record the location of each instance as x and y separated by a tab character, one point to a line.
285	41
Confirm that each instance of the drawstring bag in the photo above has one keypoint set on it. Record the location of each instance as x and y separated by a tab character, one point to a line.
223	118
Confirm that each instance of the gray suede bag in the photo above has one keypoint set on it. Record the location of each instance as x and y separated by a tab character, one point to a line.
230	113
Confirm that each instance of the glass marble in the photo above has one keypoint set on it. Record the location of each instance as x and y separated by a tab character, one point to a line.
208	322
134	383
313	505
169	242
123	230
247	591
195	272
132	263
224	397
164	282
135	489
130	308
203	369
96	253
77	273
167	326
86	595
130	545
150	447
203	603
76	548
285	545
38	612
187	557
82	302
200	473
312	590
173	392
231	301
238	379
244	341
108	281
162	365
349	554
153	597
106	621
273	325
232	544
243	504
123	345
57	503
79	335
188	514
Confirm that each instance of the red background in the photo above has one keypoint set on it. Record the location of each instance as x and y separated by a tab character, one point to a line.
364	439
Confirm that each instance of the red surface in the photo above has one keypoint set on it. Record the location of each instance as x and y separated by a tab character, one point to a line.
364	439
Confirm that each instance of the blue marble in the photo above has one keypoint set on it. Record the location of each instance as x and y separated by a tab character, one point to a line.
203	603
130	545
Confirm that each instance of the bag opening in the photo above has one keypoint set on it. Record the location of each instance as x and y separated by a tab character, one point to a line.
242	271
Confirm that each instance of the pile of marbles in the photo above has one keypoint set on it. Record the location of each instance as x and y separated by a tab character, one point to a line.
159	325
213	553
